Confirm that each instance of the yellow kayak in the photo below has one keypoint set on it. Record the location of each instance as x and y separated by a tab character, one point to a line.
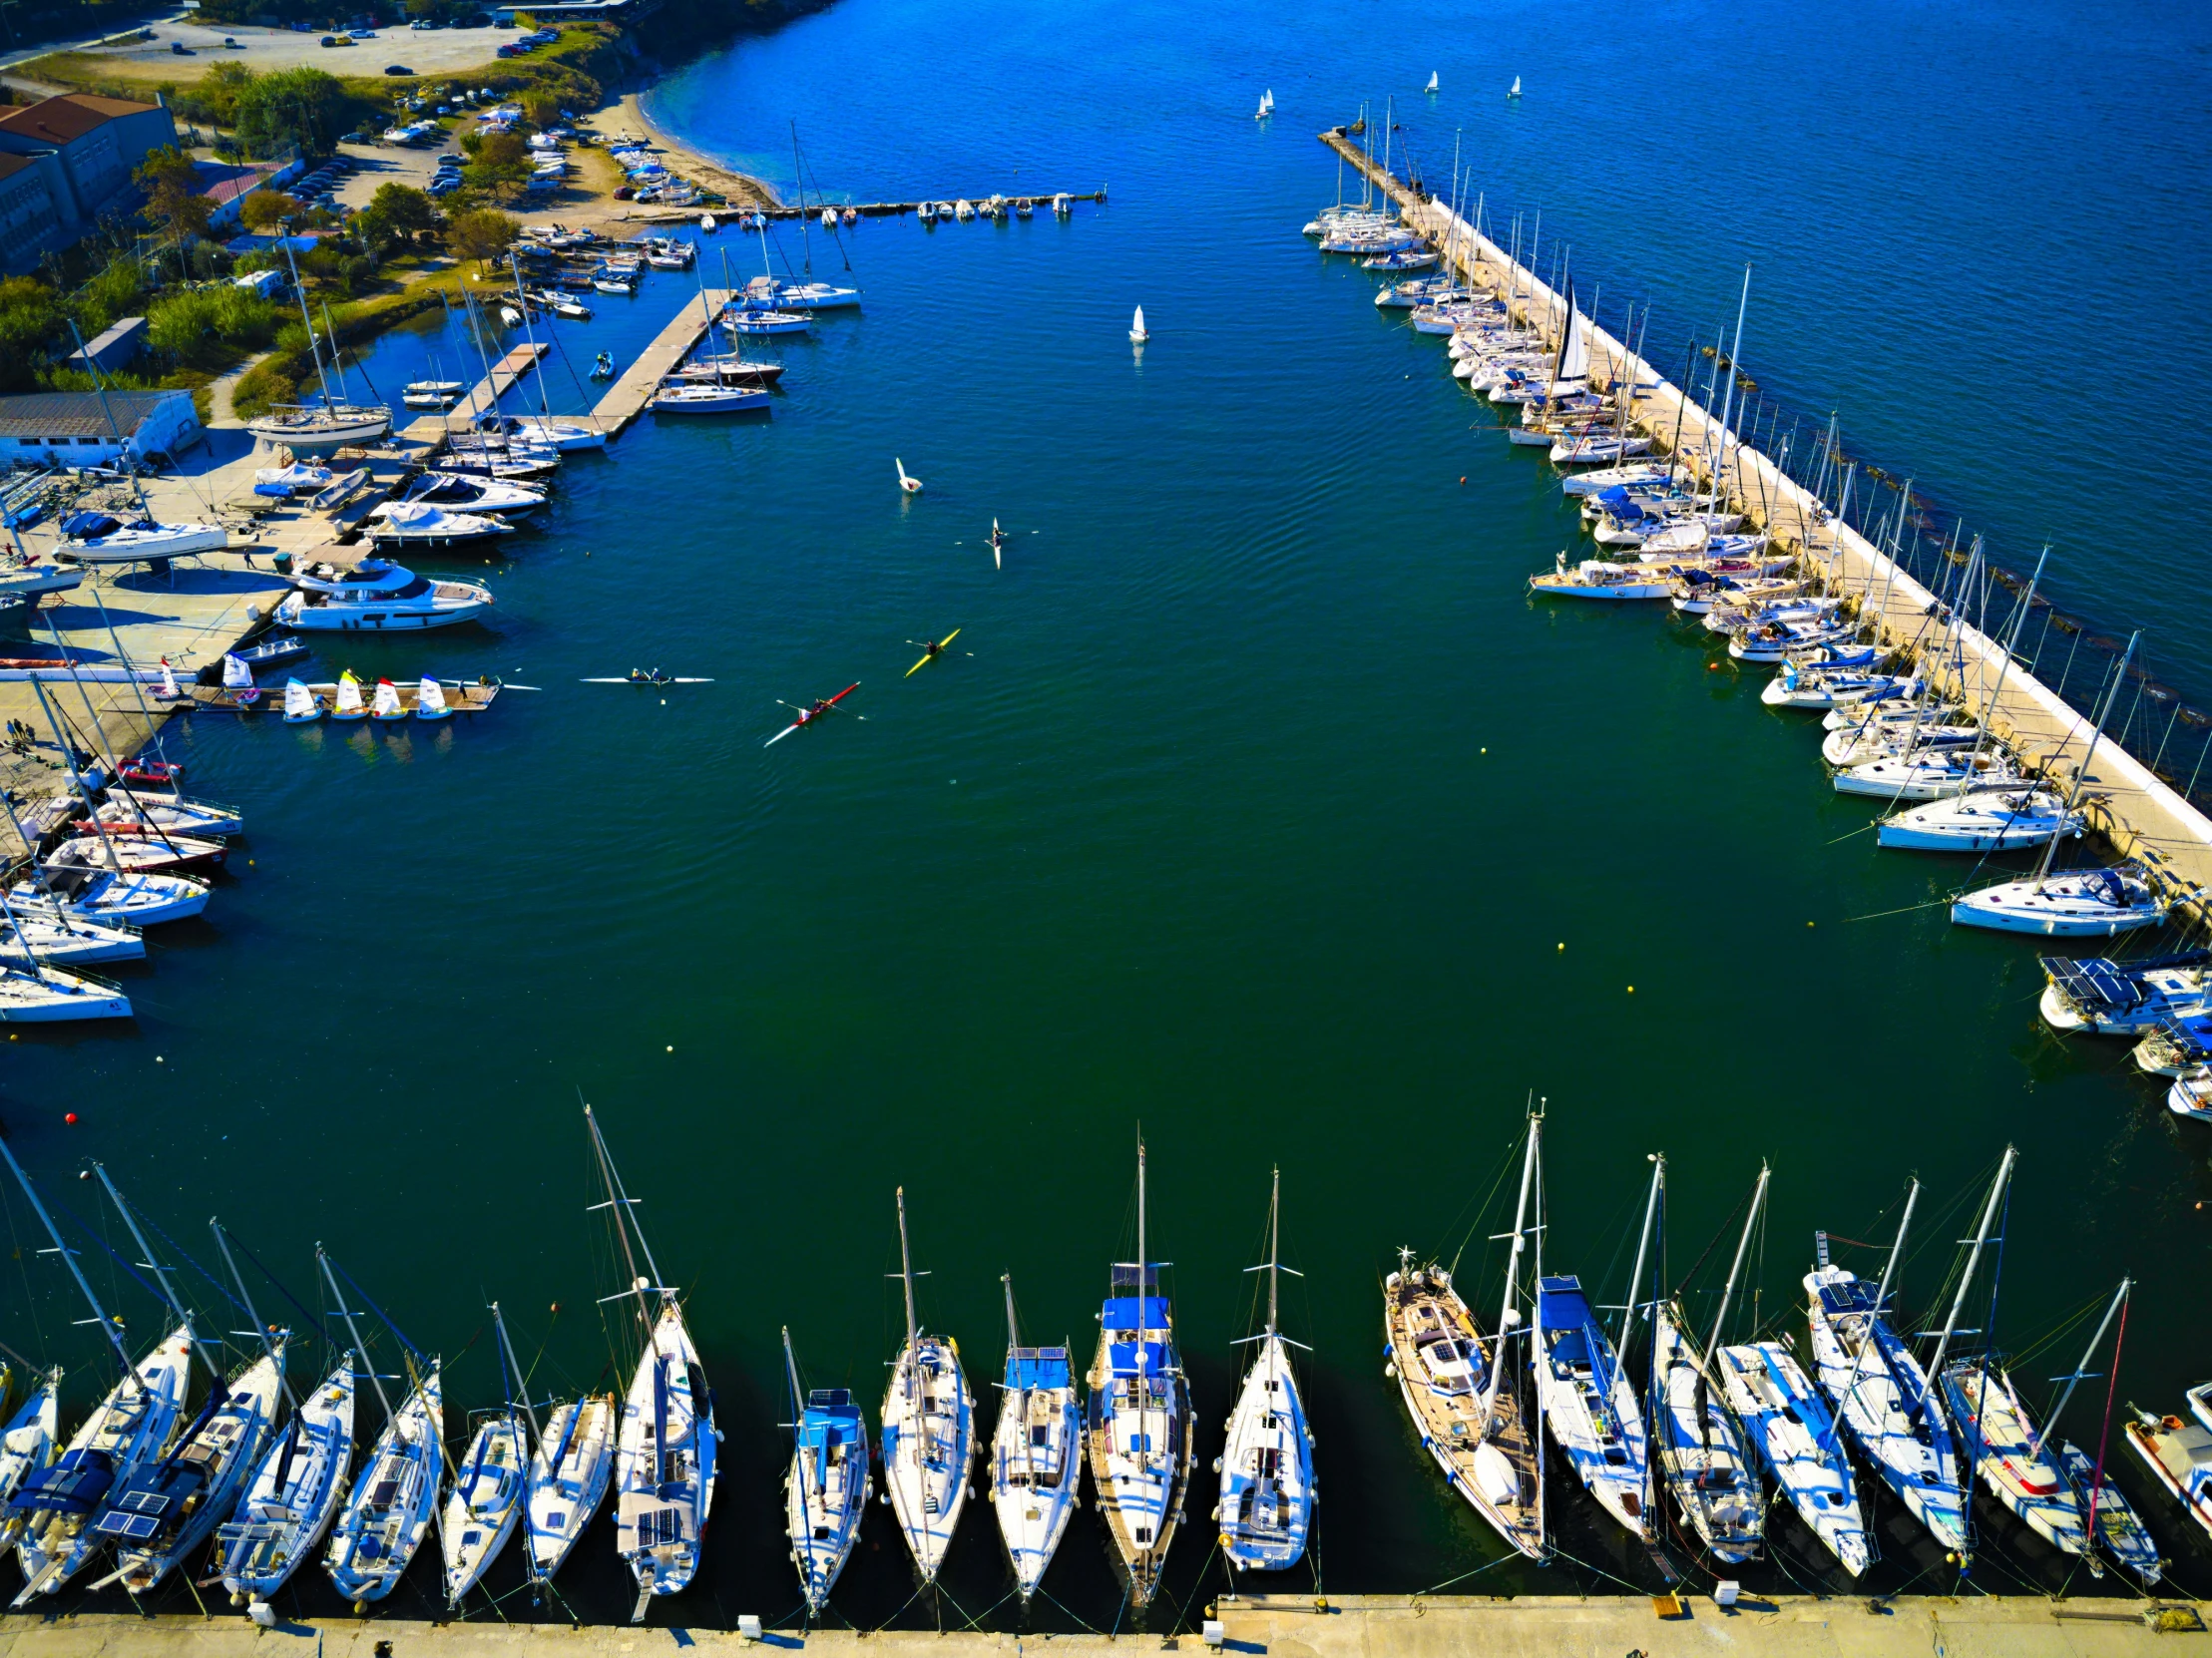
930	657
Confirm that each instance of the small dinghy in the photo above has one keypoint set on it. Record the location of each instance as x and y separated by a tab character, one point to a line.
128	1429
1795	1437
928	1432
349	705
432	394
237	682
1986	820
273	651
386	705
430	703
301	705
292	1494
568	1476
1883	1398
825	1490
1137	331
2123	999
163	1513
1265	1509
2075	904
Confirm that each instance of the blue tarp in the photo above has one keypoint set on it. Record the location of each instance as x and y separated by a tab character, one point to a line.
1124	1356
1037	1367
1562	1304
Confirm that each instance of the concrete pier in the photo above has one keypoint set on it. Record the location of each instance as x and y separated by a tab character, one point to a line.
2140	814
481	398
626	400
1357	1627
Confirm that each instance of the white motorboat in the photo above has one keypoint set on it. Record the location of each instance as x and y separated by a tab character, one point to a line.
761	323
459	493
419	524
1596	578
2123	999
928	1432
90	537
1795	1436
102	897
1036	1452
2191	1093
432	394
377	597
2178	1453
683	398
48	996
1987	820
294	480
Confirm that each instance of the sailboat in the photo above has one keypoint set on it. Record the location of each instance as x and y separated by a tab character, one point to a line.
826	1490
386	705
1432	86
127	1429
1699	1448
1266	1466
1515	90
1137	331
1465	1398
1881	1394
928	1427
349	705
1790	1428
1266	104
389	1511
430	703
301	705
1036	1452
664	1453
27	1446
569	1474
1138	1417
1587	1402
485	1501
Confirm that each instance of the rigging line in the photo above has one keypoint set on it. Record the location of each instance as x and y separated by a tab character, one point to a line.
1728	1226
414	1352
110	1248
280	1290
1877	915
23	1267
194	1265
1506	1163
1090	1627
1633	1588
1438	1588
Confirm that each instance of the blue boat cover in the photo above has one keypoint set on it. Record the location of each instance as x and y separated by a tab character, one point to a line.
1560	1303
88	526
1156	1360
1120	1313
1840	1299
1037	1367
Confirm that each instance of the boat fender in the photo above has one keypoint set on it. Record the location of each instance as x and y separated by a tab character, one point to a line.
1391	1369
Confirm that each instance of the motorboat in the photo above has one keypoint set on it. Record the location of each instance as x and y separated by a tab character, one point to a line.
459	493
161	1514
1597	578
1265	1510
432	394
2123	999
292	1494
569	1475
1883	1400
377	597
419	524
825	1490
90	537
98	896
2191	1093
693	398
2178	1453
762	323
929	1442
2072	903
1985	820
1794	1437
1589	1402
285	482
1137	1421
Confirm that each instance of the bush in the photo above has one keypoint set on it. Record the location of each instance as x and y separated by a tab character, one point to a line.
395	211
115	293
262	210
263	386
30	331
482	235
208	327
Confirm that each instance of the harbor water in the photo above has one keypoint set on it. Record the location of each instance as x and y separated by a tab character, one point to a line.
1255	808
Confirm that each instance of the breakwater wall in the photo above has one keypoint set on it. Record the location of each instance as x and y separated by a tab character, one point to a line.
2139	812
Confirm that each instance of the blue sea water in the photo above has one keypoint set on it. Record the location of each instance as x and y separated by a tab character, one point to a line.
1268	815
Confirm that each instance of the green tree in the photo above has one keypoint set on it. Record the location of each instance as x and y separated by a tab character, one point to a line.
31	330
502	159
262	210
543	109
173	193
208	327
302	107
395	211
483	235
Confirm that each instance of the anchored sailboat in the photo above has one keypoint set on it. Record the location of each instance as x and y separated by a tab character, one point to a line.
1138	1417
485	1501
929	1422
1266	1466
1035	1453
665	1452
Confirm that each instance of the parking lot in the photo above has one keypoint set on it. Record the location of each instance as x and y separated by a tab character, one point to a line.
434	51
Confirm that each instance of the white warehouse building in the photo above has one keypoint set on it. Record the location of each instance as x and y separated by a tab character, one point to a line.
75	427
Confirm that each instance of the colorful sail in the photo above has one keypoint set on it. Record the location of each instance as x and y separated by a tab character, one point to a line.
349	696
430	700
387	701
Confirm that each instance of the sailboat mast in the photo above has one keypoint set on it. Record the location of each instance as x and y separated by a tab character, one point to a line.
2012	640
1735	1272
107	1326
1974	1259
1143	1314
1512	1264
153	1264
1536	1151
906	1270
361	1350
223	1243
1643	1248
1274	1246
799	176
1897	1249
2082	772
620	1201
791	1374
2051	1420
1728	404
513	1367
1013	1329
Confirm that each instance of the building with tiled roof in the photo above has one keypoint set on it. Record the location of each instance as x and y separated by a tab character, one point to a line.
89	428
64	162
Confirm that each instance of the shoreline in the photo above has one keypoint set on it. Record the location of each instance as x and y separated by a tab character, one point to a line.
627	113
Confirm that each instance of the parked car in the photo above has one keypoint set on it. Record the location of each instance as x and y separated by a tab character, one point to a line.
445	184
231	42
179	48
397	69
332	40
363	34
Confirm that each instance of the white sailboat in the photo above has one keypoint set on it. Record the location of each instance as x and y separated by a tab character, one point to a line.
1036	1452
1137	331
1790	1428
929	1419
1267	1486
1432	86
27	1444
666	1449
826	1488
430	703
485	1501
569	1475
386	705
1515	90
394	1498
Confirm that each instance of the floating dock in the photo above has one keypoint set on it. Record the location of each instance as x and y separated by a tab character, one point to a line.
479	399
627	398
2127	802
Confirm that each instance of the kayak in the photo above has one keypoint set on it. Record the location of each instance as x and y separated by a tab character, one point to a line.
931	655
807	716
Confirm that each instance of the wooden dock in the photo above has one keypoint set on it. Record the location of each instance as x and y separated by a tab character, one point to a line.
460	697
479	398
2133	808
627	398
871	210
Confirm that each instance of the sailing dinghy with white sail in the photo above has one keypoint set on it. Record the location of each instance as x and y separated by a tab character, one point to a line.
667	1449
1268	1488
1036	1452
1138	1417
929	1431
826	1490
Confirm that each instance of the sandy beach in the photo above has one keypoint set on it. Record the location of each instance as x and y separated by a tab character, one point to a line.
626	116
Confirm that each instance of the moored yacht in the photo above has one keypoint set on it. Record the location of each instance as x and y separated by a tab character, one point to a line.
1036	1452
90	537
377	597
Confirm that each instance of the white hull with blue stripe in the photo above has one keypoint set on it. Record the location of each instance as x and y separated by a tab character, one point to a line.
389	1512
1589	1403
1793	1434
1035	1455
826	1490
292	1495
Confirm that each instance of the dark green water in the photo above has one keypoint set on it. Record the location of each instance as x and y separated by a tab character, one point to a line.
1268	815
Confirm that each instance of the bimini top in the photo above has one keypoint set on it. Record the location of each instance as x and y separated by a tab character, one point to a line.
1122	1312
1560	1303
831	1422
1037	1367
1140	1359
